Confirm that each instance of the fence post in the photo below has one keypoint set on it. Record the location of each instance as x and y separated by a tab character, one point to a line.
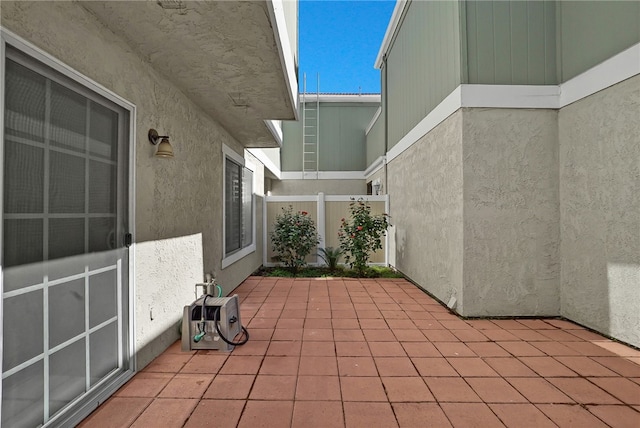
321	226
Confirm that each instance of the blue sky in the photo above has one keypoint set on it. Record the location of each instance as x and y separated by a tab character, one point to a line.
340	40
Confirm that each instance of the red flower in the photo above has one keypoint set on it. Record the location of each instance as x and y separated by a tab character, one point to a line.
304	213
342	220
359	227
353	235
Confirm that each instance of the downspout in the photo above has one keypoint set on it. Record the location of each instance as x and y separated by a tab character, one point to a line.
386	123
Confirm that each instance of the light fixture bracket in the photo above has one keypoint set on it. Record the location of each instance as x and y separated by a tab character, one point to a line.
154	138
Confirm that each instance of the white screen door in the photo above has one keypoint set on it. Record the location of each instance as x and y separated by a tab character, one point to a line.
65	264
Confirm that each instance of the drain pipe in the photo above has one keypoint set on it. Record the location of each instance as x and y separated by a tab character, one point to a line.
386	125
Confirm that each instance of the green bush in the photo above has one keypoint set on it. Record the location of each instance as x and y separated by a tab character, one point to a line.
293	238
361	234
330	256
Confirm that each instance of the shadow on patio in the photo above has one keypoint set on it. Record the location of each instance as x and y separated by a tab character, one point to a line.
381	353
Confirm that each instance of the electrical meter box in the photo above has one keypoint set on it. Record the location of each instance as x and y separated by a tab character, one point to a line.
207	319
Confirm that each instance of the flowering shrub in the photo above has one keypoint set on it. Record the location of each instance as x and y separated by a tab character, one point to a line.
362	234
293	238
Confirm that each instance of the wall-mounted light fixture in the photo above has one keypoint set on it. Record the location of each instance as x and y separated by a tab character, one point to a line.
376	186
162	141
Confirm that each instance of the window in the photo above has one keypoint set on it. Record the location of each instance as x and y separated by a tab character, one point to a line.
238	209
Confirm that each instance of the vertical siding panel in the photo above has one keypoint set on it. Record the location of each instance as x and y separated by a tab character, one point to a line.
551	69
502	42
537	58
519	43
486	52
472	41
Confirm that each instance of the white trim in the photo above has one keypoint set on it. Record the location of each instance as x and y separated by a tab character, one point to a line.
323	175
392	28
322	225
230	153
375	166
266	161
614	70
340	98
292	198
510	96
347	198
232	258
373	120
275	127
279	24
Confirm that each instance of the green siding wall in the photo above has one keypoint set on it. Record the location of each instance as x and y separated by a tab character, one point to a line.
342	138
595	31
423	64
375	141
511	42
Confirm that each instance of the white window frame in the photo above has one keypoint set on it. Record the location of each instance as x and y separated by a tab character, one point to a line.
229	153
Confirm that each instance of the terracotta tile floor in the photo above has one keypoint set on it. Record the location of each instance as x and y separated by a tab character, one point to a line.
381	353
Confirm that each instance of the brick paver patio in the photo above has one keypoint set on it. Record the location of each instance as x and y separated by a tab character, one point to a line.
381	353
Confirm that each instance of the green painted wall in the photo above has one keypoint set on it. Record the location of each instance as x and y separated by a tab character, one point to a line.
423	63
342	138
592	32
511	42
375	141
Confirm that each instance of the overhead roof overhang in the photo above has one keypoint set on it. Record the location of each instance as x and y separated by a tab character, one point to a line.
232	58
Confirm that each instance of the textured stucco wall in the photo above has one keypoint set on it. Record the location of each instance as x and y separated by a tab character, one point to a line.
178	205
425	188
511	212
313	187
600	211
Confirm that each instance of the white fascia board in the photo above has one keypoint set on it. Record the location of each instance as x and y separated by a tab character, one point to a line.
275	127
279	24
373	120
392	28
341	98
510	96
323	175
620	67
374	167
266	161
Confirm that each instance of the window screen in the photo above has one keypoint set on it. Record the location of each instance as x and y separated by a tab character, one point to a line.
238	207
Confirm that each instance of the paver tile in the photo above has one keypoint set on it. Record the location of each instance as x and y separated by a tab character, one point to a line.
185	385
451	389
145	385
619	365
252	347
266	414
280	365
415	415
345	324
585	366
379	335
355	349
420	349
317	414
242	364
495	390
589	349
367	415
583	391
360	388
458	349
166	412
357	366
318	366
395	366
409	335
471	367
528	335
487	349
169	363
407	389
538	390
617	416
440	336
285	348
318	323
269	387
555	349
438	367
116	412
318	349
227	413
547	367
619	387
344	335
510	367
570	416
521	416
470	415
287	334
521	349
230	387
318	388
387	349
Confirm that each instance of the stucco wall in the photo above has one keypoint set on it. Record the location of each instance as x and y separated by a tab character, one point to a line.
178	204
511	212
313	187
600	211
425	188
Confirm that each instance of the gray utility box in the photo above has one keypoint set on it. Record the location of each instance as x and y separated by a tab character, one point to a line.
199	332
